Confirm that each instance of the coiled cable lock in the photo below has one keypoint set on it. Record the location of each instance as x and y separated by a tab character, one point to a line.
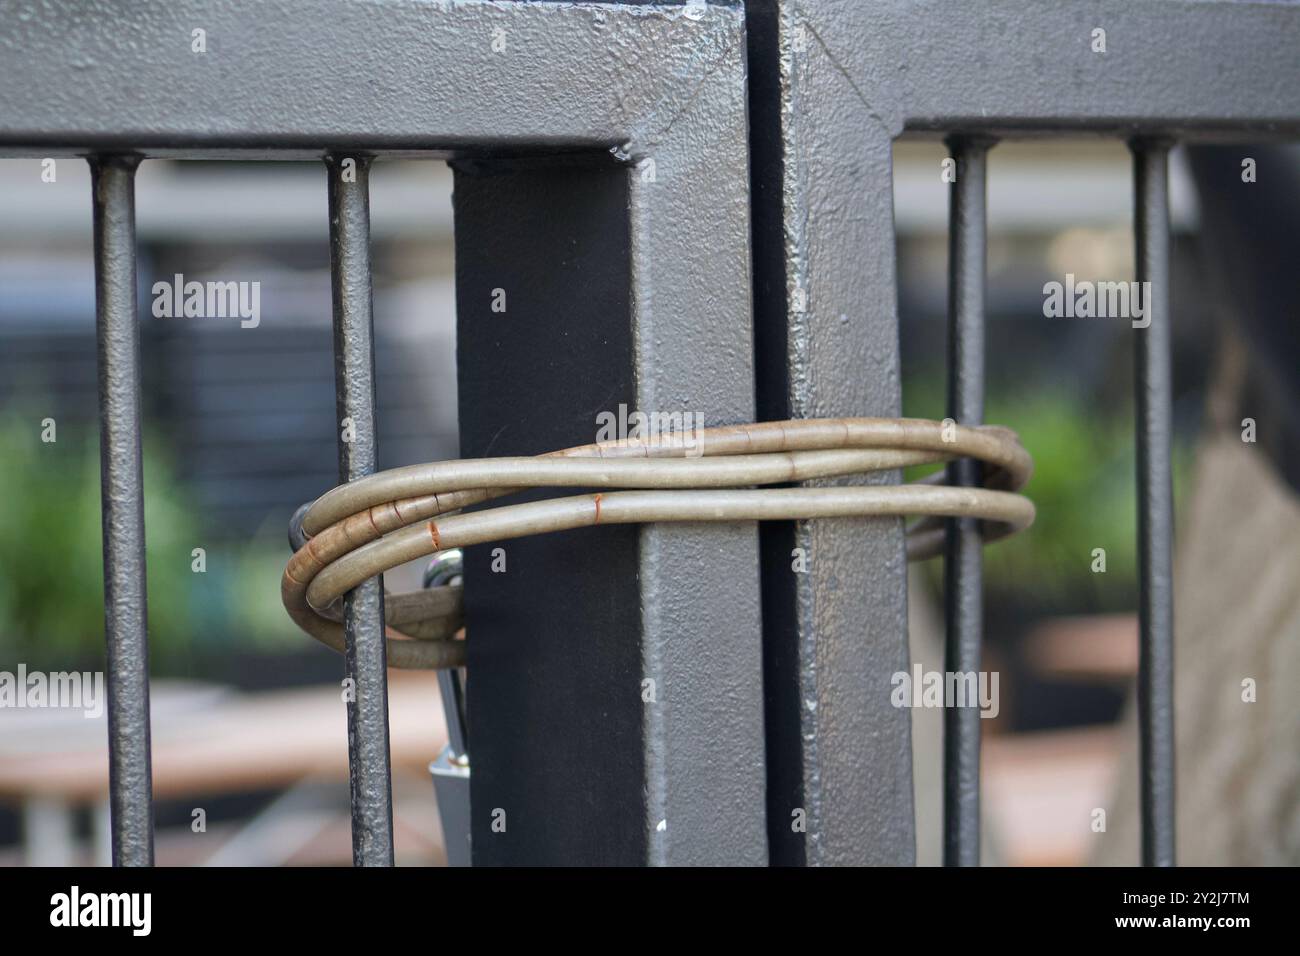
363	528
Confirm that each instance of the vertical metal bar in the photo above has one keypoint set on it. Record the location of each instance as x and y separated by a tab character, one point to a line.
520	393
354	384
122	491
1154	379
963	562
839	753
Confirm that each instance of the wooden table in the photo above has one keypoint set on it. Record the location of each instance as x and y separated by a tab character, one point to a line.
206	740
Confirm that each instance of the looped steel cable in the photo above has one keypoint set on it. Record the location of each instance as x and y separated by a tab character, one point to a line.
366	527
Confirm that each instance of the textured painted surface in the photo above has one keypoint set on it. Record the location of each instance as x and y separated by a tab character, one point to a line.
397	75
383	75
1007	66
828	345
363	608
699	587
122	489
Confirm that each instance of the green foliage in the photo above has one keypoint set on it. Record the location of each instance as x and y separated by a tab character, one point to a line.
1084	490
51	589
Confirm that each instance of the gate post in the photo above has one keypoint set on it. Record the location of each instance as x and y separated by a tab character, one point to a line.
614	674
826	322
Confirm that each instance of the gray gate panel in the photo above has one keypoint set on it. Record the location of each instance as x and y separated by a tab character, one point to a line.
835	81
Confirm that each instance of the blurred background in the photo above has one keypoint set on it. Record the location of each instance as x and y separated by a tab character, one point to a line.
248	732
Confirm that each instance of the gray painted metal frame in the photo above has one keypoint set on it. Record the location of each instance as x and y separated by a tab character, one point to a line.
839	753
651	99
387	77
833	84
392	76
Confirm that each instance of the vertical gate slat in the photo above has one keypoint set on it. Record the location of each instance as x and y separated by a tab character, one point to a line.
1154	381
363	615
963	555
122	492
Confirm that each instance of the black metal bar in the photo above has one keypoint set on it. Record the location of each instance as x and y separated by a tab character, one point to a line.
963	563
1154	378
516	230
354	384
122	490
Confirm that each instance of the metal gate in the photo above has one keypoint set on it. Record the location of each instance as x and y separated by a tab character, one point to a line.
657	175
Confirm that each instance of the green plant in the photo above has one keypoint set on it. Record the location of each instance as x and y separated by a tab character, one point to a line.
51	588
1084	490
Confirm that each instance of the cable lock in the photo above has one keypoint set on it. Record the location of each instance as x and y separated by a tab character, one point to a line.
366	527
